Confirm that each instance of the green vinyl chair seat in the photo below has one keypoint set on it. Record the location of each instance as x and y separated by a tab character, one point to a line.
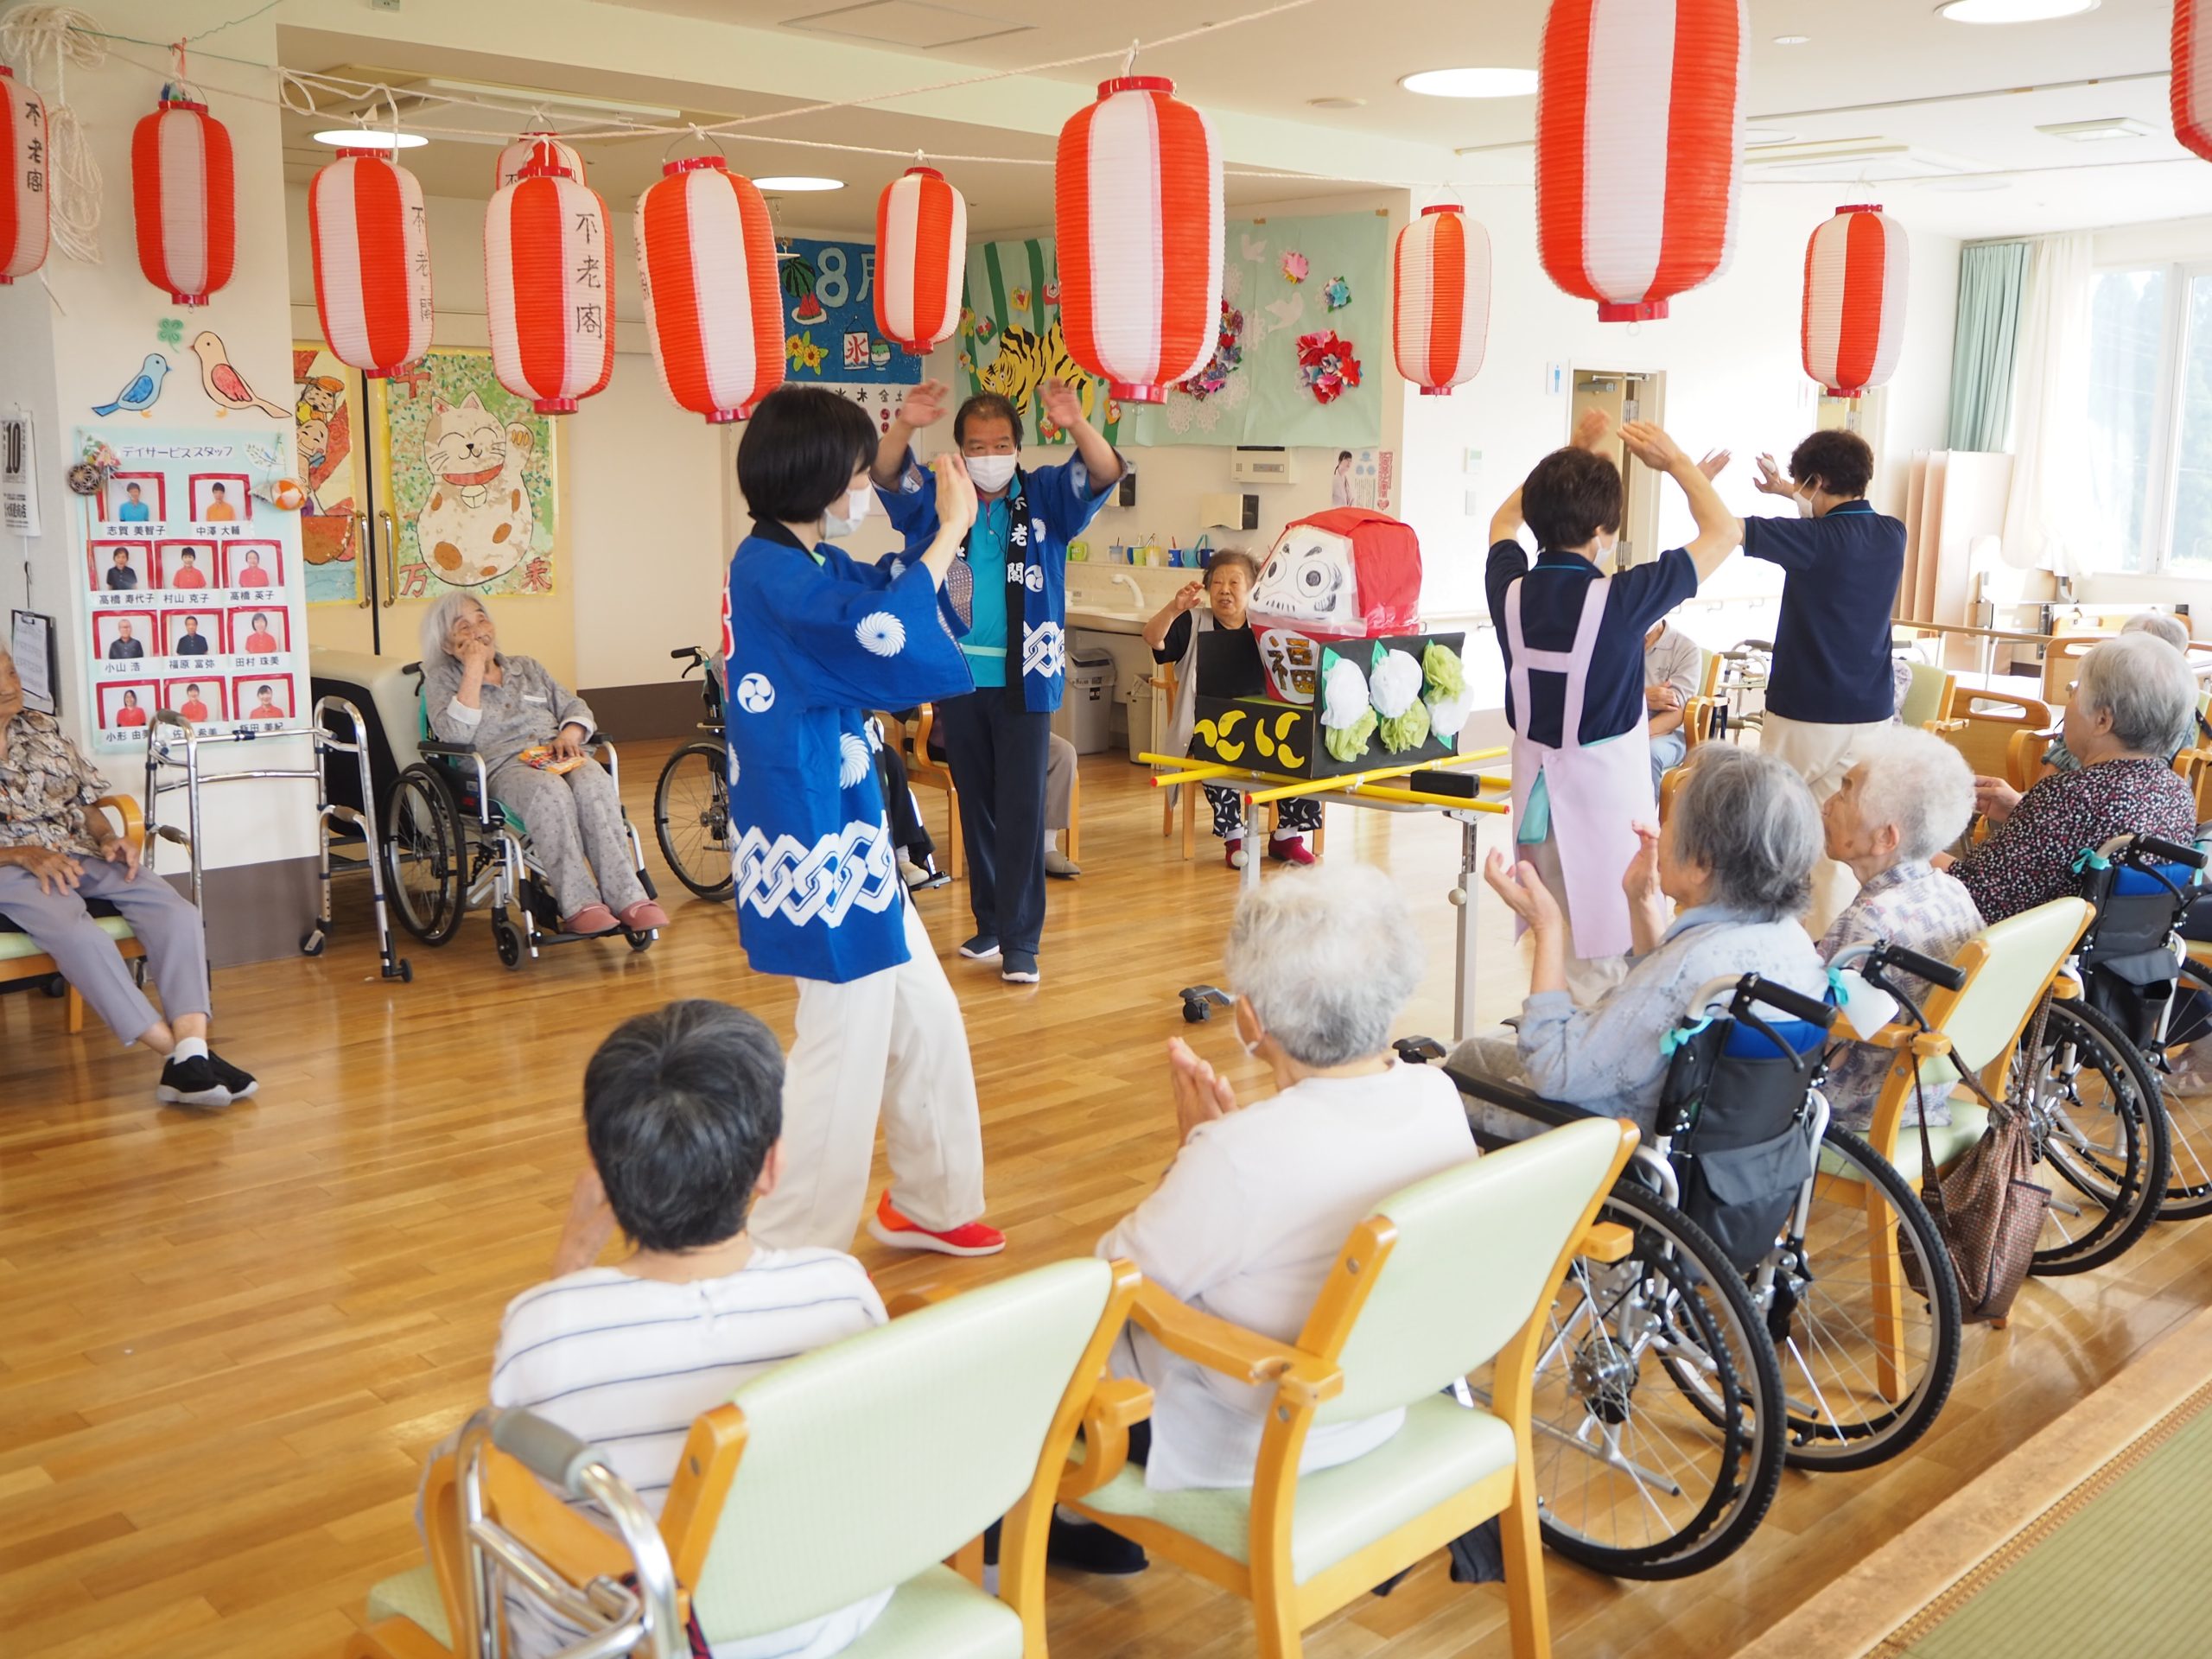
938	1613
1923	697
1443	1449
14	947
1969	1122
412	1595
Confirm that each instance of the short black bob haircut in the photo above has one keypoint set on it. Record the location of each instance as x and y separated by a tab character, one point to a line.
799	452
1840	462
1572	498
991	407
681	1108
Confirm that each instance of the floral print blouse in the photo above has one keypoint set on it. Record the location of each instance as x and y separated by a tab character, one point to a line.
2029	861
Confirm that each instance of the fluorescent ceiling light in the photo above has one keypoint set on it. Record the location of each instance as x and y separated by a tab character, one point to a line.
1335	103
1793	40
1471	83
798	183
363	138
2091	132
2012	11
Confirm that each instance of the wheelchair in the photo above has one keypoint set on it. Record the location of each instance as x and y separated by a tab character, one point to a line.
2138	983
451	846
691	800
1781	1296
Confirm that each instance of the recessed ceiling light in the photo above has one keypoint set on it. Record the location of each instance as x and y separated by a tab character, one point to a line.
798	183
1793	40
2095	132
2012	11
1471	83
362	138
1335	103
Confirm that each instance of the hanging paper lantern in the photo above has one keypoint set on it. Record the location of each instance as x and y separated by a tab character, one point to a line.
707	261
184	197
1855	300
535	147
1639	117
372	262
1439	314
2192	78
24	215
921	259
1138	210
548	296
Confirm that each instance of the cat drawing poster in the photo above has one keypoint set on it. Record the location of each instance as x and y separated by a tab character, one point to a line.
471	479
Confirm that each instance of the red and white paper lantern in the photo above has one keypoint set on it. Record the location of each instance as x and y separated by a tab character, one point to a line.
1440	294
25	216
548	295
1855	300
707	261
2191	86
1639	118
535	147
1138	215
372	262
184	198
921	259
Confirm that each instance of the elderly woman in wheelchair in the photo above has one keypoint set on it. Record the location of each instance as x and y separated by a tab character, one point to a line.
1765	1303
530	732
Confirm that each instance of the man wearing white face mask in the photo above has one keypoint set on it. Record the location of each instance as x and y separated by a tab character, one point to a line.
1572	639
1830	689
1010	591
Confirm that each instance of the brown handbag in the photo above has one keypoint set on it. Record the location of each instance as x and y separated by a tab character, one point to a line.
1988	1210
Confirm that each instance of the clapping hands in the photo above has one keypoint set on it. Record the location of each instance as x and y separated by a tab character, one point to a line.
1523	890
1201	1094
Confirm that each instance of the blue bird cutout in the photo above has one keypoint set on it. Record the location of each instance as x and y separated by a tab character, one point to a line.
138	397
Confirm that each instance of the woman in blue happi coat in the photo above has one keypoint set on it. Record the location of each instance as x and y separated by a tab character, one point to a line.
813	640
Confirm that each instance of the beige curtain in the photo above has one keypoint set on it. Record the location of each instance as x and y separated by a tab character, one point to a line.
2047	512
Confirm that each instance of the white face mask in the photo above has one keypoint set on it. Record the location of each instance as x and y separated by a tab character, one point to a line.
857	504
1804	507
992	472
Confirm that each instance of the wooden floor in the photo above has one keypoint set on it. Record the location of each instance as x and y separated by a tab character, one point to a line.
227	1342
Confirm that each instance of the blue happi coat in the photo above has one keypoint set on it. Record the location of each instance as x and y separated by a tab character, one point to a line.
1050	507
810	648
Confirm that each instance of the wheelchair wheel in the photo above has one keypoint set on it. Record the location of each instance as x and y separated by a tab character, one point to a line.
2101	1131
425	859
1658	1428
1864	1310
2189	1118
692	818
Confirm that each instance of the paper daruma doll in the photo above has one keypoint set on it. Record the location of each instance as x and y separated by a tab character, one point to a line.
1347	573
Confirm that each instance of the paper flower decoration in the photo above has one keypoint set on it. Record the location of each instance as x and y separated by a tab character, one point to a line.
804	353
967	363
1227	356
1053	291
1294	266
1343	693
967	320
1327	365
1019	299
1395	683
1338	294
1112	411
985	329
1444	688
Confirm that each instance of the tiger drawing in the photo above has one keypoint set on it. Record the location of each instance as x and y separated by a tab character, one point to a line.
1026	361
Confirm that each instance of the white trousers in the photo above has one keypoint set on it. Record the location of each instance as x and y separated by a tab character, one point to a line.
891	1043
1821	754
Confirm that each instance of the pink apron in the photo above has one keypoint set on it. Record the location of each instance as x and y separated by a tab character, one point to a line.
1598	793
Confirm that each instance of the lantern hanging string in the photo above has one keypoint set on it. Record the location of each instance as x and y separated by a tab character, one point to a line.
27	34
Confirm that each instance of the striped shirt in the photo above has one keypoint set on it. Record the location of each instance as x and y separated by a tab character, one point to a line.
627	1363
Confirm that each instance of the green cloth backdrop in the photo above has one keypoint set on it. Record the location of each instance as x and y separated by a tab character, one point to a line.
1992	276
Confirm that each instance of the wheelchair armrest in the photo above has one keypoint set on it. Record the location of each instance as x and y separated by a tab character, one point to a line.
1552	1114
450	751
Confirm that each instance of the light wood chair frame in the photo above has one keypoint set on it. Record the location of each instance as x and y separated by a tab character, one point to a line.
1306	1374
1994	741
1188	795
44	967
924	769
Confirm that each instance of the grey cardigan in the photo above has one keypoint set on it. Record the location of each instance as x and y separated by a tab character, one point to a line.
529	706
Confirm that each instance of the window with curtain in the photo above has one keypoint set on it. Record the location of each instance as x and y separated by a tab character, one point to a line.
2149	455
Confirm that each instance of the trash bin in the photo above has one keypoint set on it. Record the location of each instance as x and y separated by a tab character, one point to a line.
1090	699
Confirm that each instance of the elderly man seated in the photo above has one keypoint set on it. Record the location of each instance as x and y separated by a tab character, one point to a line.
2133	705
1248	1219
56	852
1907	796
1736	862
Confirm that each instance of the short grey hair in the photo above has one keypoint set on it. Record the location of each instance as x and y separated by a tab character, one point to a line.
2145	684
1327	960
438	621
2159	625
1751	821
1917	782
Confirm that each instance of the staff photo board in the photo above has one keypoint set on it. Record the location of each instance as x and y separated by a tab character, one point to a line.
201	613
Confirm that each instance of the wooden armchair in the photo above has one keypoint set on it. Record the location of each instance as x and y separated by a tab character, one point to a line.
20	959
912	743
1985	726
1396	1322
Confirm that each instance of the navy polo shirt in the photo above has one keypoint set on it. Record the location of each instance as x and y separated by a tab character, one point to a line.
1839	592
1551	610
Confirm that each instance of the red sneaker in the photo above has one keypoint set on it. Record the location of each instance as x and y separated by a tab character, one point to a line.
1291	849
1233	852
887	1226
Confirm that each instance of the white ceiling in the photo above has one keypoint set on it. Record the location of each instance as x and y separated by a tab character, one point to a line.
1924	96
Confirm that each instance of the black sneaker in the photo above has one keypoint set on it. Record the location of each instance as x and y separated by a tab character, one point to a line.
1089	1547
190	1083
240	1084
1019	968
983	948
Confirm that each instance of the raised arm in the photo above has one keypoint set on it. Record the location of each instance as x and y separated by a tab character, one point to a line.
1719	532
922	407
1064	408
1589	433
1188	598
